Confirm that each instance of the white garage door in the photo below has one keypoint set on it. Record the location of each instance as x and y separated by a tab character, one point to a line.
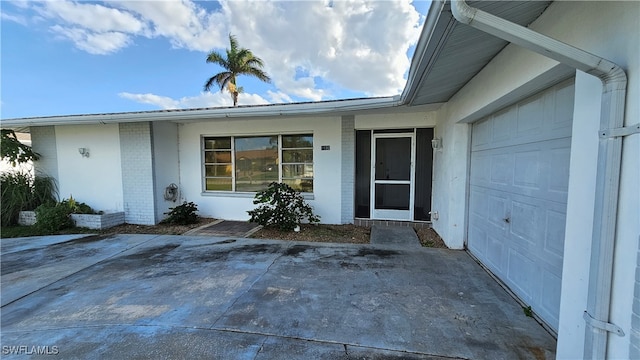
518	195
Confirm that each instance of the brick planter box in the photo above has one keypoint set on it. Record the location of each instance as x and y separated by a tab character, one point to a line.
101	221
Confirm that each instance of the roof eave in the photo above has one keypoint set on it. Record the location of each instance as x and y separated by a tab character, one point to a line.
434	31
300	109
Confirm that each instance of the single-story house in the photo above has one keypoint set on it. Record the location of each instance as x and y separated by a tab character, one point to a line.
517	137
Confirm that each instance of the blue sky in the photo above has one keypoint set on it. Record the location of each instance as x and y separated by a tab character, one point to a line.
65	57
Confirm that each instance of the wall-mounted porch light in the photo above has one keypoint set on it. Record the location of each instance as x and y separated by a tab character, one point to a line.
436	144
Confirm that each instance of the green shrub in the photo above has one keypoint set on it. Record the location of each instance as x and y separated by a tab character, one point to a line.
281	207
53	217
22	191
77	207
182	214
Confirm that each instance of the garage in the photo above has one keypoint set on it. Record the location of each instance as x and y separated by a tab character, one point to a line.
518	195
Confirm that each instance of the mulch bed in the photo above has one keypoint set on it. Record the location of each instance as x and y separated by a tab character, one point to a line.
319	233
346	234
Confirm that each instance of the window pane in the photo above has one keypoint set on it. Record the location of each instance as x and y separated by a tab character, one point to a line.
218	184
297	171
256	162
297	156
297	141
223	157
217	143
302	185
218	170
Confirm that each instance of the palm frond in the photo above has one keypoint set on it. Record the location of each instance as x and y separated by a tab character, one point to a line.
215	57
221	79
238	61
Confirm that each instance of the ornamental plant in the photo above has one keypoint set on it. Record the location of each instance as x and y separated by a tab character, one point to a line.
281	207
182	214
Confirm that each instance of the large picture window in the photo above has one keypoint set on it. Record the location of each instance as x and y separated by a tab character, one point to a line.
250	163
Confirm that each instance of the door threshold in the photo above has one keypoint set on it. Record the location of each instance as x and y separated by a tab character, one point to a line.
371	222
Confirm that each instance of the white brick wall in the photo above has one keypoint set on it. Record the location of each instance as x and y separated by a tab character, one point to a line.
348	169
103	221
43	140
91	221
137	173
27	218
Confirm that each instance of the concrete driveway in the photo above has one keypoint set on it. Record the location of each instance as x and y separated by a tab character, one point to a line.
150	296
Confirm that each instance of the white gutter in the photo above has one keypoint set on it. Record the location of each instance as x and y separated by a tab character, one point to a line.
614	82
324	107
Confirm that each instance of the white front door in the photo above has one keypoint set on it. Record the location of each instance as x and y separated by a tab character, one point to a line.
392	174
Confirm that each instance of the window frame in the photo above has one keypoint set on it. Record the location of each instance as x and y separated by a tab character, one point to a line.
233	192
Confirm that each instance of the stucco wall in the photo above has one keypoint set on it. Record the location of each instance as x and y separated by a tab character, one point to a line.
94	180
327	163
43	141
396	120
515	73
165	164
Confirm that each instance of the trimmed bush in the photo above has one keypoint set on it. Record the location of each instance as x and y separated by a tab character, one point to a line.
281	207
184	214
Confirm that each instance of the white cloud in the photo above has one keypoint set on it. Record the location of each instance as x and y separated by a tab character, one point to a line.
355	45
204	100
311	49
14	18
184	23
278	97
93	43
92	17
162	102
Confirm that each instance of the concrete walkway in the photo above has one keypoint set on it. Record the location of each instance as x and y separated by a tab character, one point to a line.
397	236
148	296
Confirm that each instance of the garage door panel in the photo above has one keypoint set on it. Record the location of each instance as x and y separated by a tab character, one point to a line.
563	109
481	134
480	198
550	297
496	253
559	162
479	245
538	170
502	126
542	117
530	120
527	169
554	234
521	273
480	169
501	169
525	222
519	175
497	205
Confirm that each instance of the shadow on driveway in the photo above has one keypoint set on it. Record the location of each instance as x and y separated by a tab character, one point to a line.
150	296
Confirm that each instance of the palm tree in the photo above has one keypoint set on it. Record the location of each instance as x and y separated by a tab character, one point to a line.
238	61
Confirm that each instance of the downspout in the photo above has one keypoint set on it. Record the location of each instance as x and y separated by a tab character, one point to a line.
614	82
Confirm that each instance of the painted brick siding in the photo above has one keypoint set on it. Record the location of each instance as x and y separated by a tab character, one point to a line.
137	173
43	140
348	169
634	350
